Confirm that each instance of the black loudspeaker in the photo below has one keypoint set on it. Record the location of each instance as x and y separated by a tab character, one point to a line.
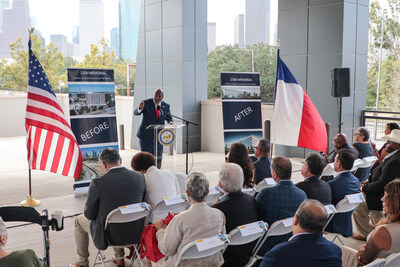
340	82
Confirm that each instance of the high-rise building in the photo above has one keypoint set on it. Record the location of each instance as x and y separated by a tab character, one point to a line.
38	32
91	24
3	4
114	41
129	12
238	34
75	34
15	22
60	41
257	21
211	36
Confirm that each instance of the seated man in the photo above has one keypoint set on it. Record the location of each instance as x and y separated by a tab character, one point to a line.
118	187
340	142
199	221
26	258
314	187
262	163
159	183
280	201
306	247
239	208
345	183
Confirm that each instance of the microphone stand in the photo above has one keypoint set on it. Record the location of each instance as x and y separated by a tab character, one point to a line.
187	122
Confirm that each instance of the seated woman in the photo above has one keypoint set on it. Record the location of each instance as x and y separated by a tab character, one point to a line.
239	154
364	149
21	258
199	221
381	153
385	238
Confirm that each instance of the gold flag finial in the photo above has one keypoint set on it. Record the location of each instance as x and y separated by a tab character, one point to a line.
278	43
30	32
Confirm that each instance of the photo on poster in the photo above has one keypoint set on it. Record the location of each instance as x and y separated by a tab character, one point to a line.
91	99
248	138
241	92
91	167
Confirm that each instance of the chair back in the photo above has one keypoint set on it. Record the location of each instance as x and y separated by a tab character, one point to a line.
377	263
328	170
346	205
331	211
266	182
238	237
368	162
393	260
250	191
190	251
162	207
181	178
214	195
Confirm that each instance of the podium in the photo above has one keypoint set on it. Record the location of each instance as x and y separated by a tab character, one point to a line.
164	135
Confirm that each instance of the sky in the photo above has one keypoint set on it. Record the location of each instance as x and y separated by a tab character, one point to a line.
58	16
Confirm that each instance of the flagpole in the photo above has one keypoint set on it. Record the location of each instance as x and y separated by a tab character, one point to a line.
30	201
278	46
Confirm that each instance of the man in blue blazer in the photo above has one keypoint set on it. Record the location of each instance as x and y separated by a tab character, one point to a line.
155	111
307	247
345	183
262	163
280	201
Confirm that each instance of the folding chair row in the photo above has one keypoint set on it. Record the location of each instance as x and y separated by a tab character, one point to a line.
366	162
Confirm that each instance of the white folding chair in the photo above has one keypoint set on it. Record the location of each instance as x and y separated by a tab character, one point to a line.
250	191
328	170
214	195
368	162
163	207
266	182
181	178
330	210
238	236
280	227
393	260
348	204
357	163
377	263
190	251
125	214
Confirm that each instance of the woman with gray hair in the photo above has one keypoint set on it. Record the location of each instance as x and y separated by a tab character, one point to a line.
199	221
364	149
20	258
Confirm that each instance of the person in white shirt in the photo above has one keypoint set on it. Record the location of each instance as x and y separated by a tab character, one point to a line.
159	183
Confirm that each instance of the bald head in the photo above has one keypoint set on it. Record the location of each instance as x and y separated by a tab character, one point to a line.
339	140
311	216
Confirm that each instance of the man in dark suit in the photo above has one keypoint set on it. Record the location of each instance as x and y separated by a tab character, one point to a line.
118	187
280	201
340	142
155	111
345	183
313	187
262	163
239	208
307	247
369	213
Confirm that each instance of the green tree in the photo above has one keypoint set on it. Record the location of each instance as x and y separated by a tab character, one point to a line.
14	73
232	58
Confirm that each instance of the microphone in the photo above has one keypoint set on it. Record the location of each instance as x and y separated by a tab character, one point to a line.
160	109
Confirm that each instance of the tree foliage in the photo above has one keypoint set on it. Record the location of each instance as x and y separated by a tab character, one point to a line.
14	72
232	58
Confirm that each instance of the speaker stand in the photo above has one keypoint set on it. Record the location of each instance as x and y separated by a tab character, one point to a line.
340	115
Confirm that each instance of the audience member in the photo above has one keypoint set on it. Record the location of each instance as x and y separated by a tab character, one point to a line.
306	247
381	153
239	208
159	183
21	258
374	189
280	201
315	188
385	238
262	163
364	149
118	187
199	221
239	154
345	183
340	142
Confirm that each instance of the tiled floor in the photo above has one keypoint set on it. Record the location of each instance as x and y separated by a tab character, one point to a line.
56	193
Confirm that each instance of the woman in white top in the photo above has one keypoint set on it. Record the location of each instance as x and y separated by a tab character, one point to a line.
385	238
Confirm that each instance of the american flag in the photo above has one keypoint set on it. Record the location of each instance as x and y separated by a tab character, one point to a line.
50	142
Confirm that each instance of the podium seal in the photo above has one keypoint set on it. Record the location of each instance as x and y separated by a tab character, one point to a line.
166	137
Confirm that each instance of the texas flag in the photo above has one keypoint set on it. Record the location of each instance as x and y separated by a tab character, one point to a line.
296	121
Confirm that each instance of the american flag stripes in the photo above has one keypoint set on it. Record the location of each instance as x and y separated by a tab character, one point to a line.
50	142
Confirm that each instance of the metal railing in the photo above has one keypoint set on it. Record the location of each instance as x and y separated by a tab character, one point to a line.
376	122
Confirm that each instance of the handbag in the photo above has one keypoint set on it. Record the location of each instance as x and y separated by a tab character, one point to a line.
149	243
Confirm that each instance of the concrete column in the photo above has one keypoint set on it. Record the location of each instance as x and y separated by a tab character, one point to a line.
172	54
317	36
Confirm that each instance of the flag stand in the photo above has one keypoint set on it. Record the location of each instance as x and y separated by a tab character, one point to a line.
30	200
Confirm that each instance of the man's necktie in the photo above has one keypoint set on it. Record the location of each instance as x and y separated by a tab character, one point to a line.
158	113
